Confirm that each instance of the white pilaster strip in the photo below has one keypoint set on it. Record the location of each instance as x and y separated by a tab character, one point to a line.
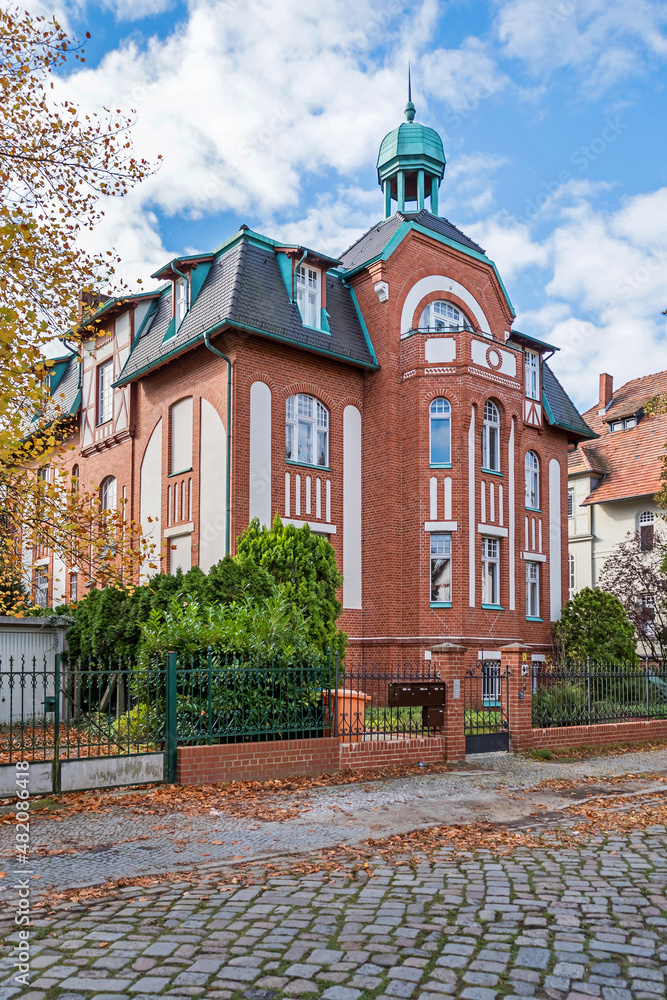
433	498
501	512
318	498
308	483
511	543
555	580
287	498
297	495
448	498
471	510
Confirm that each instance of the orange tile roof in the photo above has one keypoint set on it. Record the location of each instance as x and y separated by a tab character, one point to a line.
630	461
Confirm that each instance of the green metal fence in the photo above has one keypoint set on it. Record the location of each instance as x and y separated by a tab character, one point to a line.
78	709
585	693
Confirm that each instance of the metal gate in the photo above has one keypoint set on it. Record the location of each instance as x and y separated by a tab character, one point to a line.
486	708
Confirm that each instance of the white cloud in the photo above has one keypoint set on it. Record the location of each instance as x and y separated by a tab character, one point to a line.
605	40
509	244
136	10
605	275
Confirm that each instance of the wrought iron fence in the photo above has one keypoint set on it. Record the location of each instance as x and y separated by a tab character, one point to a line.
585	693
74	709
228	699
91	708
378	701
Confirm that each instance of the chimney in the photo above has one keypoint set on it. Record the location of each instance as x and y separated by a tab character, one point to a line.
606	391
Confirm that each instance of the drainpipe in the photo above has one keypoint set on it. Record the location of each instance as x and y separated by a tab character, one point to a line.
214	350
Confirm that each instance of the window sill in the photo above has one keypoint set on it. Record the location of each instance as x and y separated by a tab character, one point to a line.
306	465
492	472
532	618
440	465
441	604
493	607
102	423
534	510
181	472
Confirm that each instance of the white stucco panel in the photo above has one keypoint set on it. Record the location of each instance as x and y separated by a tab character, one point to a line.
441	283
493	357
260	453
351	507
555	579
212	487
149	497
437	349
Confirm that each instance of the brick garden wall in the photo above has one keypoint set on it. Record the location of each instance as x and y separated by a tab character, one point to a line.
612	732
380	753
256	761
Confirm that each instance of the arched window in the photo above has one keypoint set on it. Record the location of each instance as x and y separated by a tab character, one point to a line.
491	437
108	493
306	430
570	576
646	523
440	421
75	479
443	317
532	480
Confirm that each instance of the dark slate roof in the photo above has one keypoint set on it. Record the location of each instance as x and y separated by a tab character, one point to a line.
372	243
245	287
565	413
67	393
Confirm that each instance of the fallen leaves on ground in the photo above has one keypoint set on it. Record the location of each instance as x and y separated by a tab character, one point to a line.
409	849
600	750
259	800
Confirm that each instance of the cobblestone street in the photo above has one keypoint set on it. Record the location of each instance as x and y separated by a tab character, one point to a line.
585	917
569	923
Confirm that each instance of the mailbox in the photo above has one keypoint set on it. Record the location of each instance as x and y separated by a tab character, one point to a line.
433	718
50	703
412	694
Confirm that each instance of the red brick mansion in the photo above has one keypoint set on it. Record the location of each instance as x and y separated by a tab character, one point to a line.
381	397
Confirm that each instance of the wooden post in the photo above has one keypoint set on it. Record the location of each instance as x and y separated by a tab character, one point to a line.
516	661
448	660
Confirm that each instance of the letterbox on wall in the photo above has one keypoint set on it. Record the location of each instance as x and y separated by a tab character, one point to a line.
415	694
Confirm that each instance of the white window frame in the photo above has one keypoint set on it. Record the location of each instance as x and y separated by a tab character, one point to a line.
645	521
74	586
491	437
532	589
440	563
570	576
443	317
440	410
180	300
104	392
570	502
304	412
648	601
532	374
109	493
42	586
532	476
309	295
490	571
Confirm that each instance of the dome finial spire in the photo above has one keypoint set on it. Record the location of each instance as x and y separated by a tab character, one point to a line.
409	107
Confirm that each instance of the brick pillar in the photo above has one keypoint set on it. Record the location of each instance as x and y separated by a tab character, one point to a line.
517	662
448	660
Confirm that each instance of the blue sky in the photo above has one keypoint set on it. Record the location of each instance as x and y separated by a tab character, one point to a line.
271	113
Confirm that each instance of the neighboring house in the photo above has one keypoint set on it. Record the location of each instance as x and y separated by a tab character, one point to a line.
612	480
381	397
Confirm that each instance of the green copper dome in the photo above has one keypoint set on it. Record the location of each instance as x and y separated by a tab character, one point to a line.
411	146
411	164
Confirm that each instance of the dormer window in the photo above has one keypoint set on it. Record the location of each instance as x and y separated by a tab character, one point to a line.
532	370
443	317
623	425
180	300
309	295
